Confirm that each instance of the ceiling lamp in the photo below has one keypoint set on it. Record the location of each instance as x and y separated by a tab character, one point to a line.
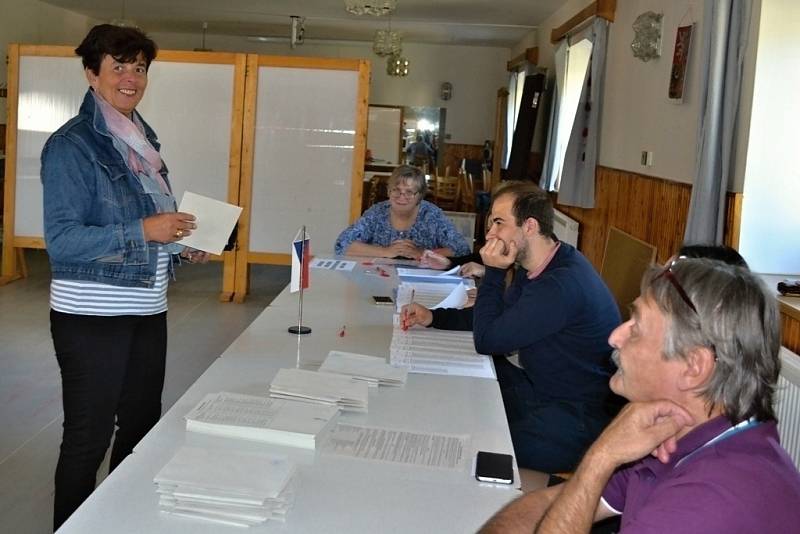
370	7
122	21
387	43
396	65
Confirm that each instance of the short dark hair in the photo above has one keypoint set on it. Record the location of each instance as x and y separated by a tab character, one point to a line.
121	43
529	201
722	253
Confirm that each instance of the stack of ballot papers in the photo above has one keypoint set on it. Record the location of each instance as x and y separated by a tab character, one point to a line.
282	422
440	352
322	388
226	487
430	275
371	369
434	296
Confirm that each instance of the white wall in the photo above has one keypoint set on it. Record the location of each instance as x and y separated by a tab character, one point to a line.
636	112
34	22
475	72
770	240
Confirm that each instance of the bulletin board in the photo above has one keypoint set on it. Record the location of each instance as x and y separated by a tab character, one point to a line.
194	102
303	161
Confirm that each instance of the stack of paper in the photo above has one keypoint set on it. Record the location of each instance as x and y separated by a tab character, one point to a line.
434	296
226	487
430	275
371	369
295	424
441	352
322	388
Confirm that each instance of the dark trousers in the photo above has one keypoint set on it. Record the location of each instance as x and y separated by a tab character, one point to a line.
112	372
549	435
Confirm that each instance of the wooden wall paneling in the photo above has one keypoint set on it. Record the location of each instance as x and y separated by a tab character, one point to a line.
790	328
733	219
454	153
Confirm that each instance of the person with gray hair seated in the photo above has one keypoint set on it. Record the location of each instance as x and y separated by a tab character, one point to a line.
403	226
697	448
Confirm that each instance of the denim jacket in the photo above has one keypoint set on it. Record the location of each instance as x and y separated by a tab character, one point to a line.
94	205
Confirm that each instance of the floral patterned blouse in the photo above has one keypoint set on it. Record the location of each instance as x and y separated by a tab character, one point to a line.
431	230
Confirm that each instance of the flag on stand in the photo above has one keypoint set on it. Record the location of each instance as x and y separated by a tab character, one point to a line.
301	257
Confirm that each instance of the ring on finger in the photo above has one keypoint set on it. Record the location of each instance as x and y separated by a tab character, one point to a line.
179	233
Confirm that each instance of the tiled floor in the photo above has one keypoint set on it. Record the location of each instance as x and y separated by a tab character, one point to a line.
200	329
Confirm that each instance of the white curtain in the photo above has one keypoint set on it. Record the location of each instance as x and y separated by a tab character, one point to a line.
551	171
576	186
726	24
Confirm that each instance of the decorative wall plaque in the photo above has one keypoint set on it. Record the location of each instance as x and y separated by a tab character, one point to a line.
646	43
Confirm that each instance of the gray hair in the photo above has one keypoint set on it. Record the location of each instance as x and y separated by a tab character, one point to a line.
409	173
736	317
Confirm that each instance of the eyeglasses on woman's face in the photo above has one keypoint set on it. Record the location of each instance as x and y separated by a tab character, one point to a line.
397	192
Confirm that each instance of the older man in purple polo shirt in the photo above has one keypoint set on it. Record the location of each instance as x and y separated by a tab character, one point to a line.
697	449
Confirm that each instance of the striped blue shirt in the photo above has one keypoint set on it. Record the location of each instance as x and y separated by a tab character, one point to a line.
80	297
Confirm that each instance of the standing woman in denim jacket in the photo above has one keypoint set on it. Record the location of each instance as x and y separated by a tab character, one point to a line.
111	230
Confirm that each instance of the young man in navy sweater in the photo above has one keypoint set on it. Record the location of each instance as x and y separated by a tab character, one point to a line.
556	316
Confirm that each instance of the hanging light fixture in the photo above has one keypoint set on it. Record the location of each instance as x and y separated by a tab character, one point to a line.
122	21
376	8
396	65
387	42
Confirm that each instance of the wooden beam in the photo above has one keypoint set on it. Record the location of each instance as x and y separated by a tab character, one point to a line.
604	9
531	55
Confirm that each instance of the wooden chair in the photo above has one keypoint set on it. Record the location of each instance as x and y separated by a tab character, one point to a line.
625	260
445	192
377	190
466	193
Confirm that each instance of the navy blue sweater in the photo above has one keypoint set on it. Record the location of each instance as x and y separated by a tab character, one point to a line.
559	322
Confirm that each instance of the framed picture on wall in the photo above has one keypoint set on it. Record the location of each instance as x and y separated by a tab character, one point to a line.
680	58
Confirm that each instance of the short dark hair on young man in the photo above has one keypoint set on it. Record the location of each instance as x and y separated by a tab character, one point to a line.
121	43
529	201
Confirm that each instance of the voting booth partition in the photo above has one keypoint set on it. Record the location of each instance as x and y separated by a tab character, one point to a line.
282	137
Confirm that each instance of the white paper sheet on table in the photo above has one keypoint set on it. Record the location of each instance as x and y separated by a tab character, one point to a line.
215	221
392	445
323	388
372	369
332	264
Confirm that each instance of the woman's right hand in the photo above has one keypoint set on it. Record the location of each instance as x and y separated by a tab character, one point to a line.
473	270
168	227
434	260
403	247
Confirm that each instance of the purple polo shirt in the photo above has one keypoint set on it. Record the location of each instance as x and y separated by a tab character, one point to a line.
745	482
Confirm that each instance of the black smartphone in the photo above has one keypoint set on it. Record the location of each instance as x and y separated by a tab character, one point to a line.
382	300
494	467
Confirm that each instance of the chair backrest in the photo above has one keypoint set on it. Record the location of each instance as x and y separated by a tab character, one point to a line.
445	192
377	190
466	194
625	260
464	223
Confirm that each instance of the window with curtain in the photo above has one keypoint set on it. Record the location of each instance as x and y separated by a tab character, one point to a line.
516	83
572	67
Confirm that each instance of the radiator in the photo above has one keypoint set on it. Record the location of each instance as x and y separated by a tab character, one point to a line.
566	229
787	405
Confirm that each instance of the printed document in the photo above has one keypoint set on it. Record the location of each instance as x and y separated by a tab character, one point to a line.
389	445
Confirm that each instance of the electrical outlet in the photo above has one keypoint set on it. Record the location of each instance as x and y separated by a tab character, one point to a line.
643	159
646	159
650	158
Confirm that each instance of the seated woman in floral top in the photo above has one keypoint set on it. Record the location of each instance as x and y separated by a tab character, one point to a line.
405	225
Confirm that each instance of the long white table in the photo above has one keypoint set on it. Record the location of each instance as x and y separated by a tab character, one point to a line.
334	494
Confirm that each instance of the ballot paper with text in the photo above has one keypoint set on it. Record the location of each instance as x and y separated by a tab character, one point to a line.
283	422
373	370
398	446
439	352
329	389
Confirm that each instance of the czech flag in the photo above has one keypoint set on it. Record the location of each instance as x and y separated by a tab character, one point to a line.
301	257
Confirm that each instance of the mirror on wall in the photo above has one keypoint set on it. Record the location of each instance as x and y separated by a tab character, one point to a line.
423	135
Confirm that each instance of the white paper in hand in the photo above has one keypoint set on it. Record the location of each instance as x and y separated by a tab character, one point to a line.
214	219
